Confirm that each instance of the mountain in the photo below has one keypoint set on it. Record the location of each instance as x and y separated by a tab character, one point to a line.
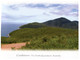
46	35
59	22
75	22
33	25
62	22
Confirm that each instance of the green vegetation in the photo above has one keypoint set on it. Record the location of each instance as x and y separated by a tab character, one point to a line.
8	40
33	25
59	33
63	23
59	22
45	38
13	48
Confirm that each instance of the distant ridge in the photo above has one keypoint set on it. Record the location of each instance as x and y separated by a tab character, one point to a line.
59	22
62	22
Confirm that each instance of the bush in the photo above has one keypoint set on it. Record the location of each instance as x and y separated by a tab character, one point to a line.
44	38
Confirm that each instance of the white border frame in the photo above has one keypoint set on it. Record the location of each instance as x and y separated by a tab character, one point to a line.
63	55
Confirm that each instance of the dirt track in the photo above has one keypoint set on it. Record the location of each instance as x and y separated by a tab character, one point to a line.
12	46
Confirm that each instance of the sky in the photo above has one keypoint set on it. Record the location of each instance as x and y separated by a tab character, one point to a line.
41	12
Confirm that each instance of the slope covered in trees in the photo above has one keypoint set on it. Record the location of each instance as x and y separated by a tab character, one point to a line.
33	25
44	38
59	22
62	22
56	34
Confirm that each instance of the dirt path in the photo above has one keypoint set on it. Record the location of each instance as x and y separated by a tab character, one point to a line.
12	46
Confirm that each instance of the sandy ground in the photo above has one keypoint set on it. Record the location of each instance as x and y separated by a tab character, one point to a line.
12	46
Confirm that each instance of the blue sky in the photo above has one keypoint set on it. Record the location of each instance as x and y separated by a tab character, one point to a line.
27	13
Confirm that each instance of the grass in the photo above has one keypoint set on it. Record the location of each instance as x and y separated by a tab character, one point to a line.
13	48
47	38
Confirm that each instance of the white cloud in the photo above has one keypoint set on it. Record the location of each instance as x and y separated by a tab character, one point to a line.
38	12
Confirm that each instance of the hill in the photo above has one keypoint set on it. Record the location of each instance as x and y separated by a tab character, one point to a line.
33	25
46	38
59	33
59	22
62	22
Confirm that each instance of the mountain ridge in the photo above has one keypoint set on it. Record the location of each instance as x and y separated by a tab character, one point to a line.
59	22
62	22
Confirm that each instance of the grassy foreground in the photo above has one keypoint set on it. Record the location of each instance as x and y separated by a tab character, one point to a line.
47	38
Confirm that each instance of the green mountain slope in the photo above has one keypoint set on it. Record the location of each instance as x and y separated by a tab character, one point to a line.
59	33
48	38
33	25
62	22
59	22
